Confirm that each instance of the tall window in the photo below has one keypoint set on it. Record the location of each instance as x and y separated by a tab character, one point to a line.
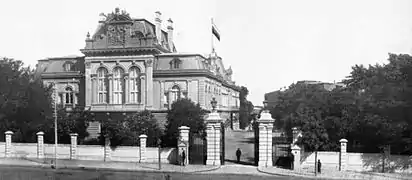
175	63
102	85
68	66
175	94
118	85
69	95
134	85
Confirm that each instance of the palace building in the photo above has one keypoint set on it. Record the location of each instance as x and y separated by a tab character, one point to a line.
130	65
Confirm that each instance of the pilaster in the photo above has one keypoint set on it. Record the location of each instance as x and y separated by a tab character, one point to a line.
162	94
110	89
126	90
143	90
88	84
149	83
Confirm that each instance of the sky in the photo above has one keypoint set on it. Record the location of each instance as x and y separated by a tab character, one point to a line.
268	43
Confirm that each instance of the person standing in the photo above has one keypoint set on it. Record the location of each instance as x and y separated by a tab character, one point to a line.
183	157
238	154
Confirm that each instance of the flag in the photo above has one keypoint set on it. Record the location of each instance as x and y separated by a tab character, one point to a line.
215	31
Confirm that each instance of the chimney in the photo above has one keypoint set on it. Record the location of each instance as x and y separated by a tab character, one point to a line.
158	24
170	34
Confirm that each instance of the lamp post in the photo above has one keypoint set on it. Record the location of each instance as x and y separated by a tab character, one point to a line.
159	142
55	123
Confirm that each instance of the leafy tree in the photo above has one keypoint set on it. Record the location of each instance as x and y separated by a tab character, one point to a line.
245	108
24	101
126	131
184	112
74	121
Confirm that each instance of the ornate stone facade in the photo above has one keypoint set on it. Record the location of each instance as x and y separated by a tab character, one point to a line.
132	64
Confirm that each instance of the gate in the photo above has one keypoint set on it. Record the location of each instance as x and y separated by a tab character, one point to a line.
197	149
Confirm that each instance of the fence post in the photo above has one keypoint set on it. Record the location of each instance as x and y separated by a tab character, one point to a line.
343	155
8	143
73	145
40	145
143	139
296	157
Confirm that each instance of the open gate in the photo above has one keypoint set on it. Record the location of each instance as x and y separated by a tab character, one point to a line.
197	149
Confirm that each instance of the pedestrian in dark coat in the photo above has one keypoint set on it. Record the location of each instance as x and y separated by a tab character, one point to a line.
238	154
319	166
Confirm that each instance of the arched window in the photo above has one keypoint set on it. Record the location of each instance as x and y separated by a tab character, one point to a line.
134	85
175	63
118	85
175	94
102	85
69	95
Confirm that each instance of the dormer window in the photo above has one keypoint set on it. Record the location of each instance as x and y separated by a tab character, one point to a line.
175	63
68	66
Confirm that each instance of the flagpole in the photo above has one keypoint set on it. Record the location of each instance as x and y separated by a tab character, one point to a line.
213	48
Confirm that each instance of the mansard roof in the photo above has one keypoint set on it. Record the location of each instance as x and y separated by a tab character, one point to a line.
118	30
55	67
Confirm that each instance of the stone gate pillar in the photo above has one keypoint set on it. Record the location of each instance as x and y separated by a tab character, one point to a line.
265	138
213	125
183	142
8	149
73	145
296	157
40	145
343	155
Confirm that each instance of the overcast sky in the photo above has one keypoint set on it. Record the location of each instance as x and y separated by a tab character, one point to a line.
269	43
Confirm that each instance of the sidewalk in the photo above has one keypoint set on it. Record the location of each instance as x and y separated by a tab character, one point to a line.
109	166
333	174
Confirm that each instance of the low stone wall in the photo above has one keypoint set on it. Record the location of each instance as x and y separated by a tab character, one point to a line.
40	150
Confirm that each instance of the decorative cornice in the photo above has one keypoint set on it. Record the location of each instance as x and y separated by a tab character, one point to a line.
121	51
192	72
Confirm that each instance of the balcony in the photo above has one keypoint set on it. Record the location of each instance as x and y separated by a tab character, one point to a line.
117	107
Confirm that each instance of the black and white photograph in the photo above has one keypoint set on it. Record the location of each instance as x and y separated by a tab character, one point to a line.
205	89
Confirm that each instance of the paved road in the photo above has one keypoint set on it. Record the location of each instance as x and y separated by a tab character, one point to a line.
239	139
23	173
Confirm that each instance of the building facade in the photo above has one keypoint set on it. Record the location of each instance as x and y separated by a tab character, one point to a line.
130	65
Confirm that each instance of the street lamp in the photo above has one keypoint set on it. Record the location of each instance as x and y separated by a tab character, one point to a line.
55	123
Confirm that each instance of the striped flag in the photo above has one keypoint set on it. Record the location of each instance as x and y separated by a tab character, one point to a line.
215	31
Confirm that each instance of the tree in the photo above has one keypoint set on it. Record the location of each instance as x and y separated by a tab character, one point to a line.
184	112
126	131
25	103
245	108
74	121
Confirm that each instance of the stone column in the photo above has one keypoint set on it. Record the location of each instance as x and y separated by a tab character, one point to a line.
162	94
149	83
110	89
143	89
89	84
296	157
143	139
213	138
40	145
73	146
343	155
126	92
184	139
107	149
265	139
8	143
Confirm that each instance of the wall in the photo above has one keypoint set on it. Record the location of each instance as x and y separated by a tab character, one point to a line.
92	152
358	162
